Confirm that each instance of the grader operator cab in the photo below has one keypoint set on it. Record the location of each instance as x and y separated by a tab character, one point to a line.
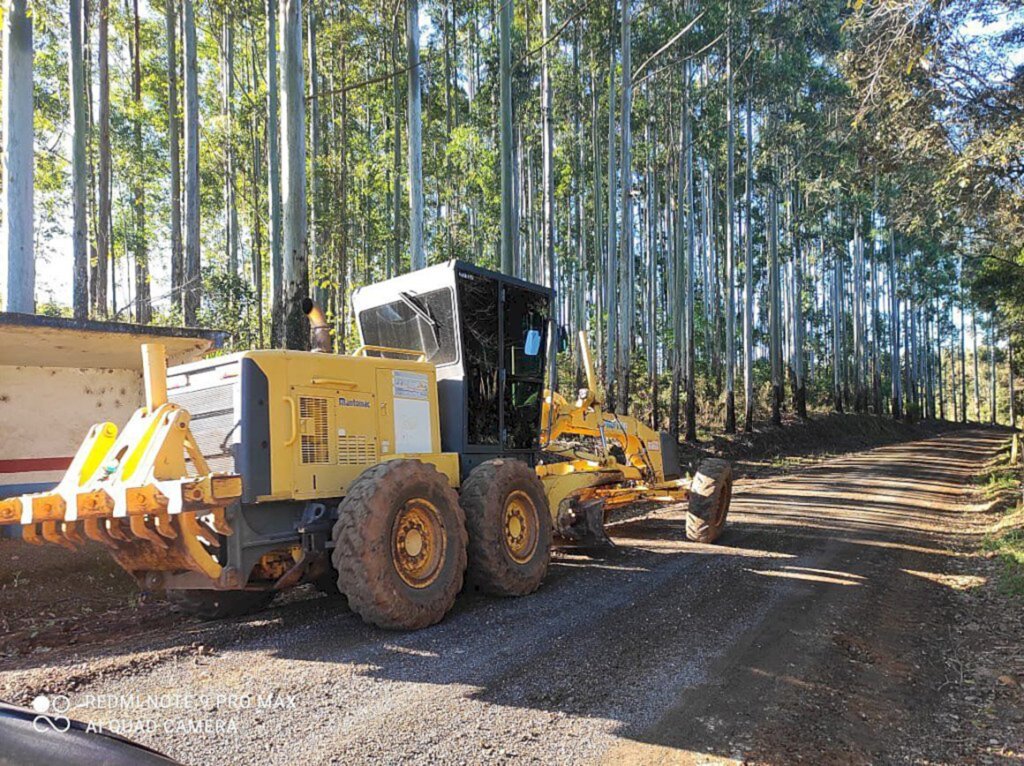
430	457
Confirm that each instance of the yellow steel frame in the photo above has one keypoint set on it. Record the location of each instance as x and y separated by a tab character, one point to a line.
642	478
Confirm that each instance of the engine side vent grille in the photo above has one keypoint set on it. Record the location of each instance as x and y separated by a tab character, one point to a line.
214	423
357	450
314	445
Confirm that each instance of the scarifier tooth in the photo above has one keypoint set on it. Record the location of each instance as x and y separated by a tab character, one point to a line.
191	531
139	529
163	525
96	529
116	529
52	535
71	532
30	534
219	521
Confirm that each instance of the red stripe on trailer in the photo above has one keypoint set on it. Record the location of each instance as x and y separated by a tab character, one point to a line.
26	465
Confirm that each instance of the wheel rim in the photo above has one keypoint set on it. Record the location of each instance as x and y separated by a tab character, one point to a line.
520	526
418	543
724	497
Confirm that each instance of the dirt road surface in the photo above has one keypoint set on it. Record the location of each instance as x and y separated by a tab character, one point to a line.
814	631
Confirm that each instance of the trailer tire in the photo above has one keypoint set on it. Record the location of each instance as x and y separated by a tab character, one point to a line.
219	604
710	496
400	545
509	525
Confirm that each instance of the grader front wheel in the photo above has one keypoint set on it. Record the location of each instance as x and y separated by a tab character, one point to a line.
710	495
509	527
400	545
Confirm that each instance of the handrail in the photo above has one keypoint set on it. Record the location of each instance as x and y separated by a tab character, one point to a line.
361	351
293	412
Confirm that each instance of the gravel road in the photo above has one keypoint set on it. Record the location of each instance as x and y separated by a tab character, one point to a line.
807	632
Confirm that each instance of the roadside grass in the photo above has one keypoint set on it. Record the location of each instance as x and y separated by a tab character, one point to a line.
1007	543
1001	483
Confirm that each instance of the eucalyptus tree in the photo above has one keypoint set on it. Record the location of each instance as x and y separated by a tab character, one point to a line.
79	173
98	282
228	114
143	304
293	169
505	118
611	304
174	149
192	292
418	258
748	267
16	223
730	237
624	334
274	219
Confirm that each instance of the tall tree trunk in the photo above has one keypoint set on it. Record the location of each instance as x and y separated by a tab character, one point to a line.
730	238
100	274
418	257
320	273
876	347
274	180
611	270
799	377
343	184
508	258
977	372
838	326
748	273
17	225
396	201
549	191
293	169
963	347
894	332
228	106
79	174
143	307
173	129
547	152
625	329
1012	381
992	370
691	261
597	229
775	304
193	284
256	181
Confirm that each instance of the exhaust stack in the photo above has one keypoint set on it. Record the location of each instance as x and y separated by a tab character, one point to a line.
319	329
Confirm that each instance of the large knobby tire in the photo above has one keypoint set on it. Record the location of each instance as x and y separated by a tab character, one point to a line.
710	495
400	545
220	604
509	525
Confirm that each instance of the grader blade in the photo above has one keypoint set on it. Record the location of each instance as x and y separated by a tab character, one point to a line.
132	491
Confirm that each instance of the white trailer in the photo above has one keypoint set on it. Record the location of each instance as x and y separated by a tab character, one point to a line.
60	376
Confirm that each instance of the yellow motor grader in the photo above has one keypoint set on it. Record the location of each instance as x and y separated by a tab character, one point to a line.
430	458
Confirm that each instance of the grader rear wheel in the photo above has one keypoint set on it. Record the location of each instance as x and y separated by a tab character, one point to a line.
509	527
400	545
220	604
710	495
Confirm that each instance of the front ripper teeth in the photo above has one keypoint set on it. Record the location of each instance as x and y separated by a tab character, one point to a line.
131	492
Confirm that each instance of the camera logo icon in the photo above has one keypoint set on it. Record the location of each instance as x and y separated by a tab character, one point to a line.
50	712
